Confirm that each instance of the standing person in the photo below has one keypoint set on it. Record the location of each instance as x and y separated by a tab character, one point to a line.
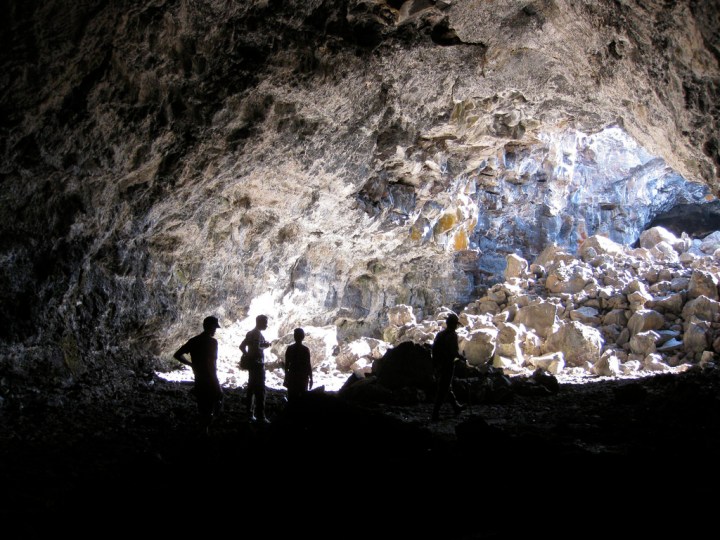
254	345
203	350
298	369
444	352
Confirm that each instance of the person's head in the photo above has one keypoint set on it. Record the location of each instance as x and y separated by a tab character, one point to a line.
210	324
452	321
261	322
299	335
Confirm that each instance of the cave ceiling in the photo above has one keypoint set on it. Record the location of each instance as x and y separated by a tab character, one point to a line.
324	161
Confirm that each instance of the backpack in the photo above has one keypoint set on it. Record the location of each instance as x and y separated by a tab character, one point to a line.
245	361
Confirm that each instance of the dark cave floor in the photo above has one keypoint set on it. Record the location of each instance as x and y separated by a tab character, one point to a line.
639	455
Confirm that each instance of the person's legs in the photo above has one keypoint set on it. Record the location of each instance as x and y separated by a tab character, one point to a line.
260	402
443	388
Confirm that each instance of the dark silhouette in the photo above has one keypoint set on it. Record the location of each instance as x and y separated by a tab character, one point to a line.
254	346
203	361
298	369
445	352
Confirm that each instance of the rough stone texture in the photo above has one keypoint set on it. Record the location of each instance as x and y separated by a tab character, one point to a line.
578	343
169	160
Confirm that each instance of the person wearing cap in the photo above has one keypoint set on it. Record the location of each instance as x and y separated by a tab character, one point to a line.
203	350
254	345
445	351
298	368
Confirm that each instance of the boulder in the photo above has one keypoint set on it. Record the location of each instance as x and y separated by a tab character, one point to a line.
601	245
654	235
541	317
478	346
703	283
696	338
363	347
615	316
552	363
654	362
645	319
710	243
408	364
644	343
702	308
665	253
400	315
672	303
585	315
568	279
578	342
517	267
607	366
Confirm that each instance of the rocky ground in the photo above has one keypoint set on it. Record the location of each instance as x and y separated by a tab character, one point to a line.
601	453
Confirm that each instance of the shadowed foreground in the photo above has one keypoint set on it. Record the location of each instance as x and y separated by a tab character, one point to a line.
616	457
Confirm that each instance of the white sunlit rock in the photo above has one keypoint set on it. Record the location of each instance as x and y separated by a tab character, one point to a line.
630	367
400	315
478	347
645	319
644	343
703	284
696	338
650	238
702	308
516	267
552	363
607	366
578	342
654	362
541	317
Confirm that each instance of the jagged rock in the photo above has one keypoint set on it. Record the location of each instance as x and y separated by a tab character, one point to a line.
630	367
654	235
672	303
585	315
696	338
654	362
645	319
508	342
579	343
664	252
703	284
601	245
607	366
615	316
568	279
702	308
679	283
710	243
408	364
401	315
541	317
516	267
478	347
507	364
553	256
644	342
355	350
638	299
552	363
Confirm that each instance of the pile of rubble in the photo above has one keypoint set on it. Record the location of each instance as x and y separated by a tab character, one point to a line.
610	311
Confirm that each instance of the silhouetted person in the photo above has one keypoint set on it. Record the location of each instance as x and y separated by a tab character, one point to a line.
203	361
444	352
254	345
298	369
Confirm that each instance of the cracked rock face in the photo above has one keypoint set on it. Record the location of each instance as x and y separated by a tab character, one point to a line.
323	161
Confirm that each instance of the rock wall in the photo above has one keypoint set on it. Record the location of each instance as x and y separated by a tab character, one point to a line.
164	160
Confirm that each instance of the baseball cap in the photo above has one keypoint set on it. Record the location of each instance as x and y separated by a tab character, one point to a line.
211	322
